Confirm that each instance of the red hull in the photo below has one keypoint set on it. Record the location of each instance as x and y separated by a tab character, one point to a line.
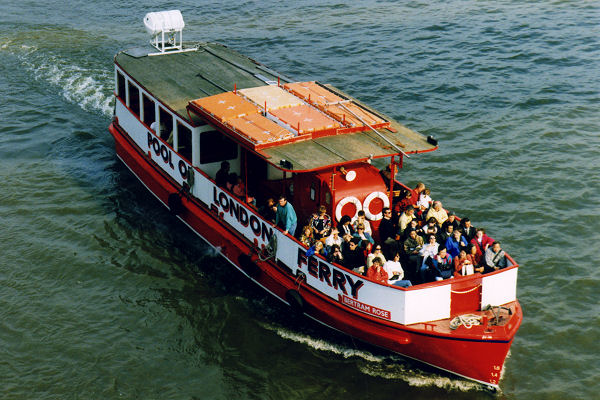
477	354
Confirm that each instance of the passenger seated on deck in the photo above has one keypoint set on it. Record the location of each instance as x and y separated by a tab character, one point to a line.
334	238
222	174
412	225
474	258
437	211
416	193
430	228
456	243
376	272
463	265
320	223
451	221
437	268
481	241
231	181
376	253
405	218
443	235
424	201
335	255
361	219
395	272
354	257
306	238
495	258
251	199
467	228
344	226
412	246
366	241
239	189
430	249
404	203
317	248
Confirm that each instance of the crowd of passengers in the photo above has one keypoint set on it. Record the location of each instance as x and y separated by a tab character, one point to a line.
419	241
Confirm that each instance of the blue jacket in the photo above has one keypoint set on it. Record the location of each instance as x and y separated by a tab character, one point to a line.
453	247
286	216
311	251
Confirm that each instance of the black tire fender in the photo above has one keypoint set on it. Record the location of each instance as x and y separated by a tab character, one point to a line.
295	300
174	203
249	266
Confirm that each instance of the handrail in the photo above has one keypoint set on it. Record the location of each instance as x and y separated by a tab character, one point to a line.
373	129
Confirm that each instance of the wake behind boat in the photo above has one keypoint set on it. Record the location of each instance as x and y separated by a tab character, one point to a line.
214	135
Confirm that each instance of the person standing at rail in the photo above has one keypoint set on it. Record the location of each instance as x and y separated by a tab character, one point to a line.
286	216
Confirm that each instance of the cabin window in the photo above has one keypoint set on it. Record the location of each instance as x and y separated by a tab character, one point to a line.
184	141
148	105
313	192
121	86
165	126
327	198
134	99
215	147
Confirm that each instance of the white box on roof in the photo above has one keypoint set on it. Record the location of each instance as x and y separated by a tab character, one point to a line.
163	21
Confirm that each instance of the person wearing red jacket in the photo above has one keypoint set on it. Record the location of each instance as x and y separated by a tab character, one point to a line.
376	272
416	193
481	241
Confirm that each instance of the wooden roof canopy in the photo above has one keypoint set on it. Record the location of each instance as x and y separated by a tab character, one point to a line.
297	126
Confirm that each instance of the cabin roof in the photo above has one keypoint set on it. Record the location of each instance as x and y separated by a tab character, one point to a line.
178	78
184	81
321	152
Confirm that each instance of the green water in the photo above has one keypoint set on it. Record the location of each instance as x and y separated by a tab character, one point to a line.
104	295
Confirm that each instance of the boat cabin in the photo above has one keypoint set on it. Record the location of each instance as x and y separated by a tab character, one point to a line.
306	140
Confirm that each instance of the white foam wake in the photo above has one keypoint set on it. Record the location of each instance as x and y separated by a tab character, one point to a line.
391	366
86	86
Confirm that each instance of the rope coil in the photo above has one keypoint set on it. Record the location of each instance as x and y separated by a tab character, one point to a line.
466	320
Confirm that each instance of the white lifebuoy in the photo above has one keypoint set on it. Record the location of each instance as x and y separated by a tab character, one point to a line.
343	202
367	203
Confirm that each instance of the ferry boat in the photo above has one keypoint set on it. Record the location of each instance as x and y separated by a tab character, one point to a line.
182	108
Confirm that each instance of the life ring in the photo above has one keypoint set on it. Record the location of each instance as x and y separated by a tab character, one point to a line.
367	203
343	202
